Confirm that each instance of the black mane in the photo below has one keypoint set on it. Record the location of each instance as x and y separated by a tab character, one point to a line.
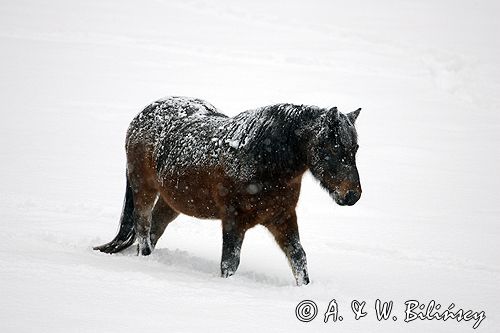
278	145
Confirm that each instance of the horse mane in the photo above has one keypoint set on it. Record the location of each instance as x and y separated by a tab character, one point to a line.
270	138
279	121
267	142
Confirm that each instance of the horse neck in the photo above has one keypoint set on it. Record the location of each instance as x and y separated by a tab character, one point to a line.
285	152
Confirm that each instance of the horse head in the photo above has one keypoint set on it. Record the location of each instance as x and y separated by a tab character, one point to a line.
332	155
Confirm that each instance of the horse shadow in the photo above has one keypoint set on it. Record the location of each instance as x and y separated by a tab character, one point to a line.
185	261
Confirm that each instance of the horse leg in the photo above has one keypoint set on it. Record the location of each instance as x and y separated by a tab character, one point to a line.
144	199
232	239
162	215
286	234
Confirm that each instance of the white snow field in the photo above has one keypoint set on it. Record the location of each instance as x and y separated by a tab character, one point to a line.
426	73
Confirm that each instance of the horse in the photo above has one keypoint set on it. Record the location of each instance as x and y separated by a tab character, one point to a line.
184	156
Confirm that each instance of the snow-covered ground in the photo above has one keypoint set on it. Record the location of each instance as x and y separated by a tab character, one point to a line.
73	74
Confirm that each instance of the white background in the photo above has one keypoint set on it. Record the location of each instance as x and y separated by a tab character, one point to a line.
73	75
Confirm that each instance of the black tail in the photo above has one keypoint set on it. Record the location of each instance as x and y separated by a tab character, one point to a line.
126	234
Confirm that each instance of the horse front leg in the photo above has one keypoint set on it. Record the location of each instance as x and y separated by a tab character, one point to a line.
286	234
232	239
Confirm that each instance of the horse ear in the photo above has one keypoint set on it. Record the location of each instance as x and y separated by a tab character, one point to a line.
334	112
353	115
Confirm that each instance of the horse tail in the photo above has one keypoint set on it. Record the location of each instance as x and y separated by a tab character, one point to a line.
126	233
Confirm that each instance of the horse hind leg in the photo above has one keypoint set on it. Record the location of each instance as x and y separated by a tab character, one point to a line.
126	233
143	181
162	215
144	200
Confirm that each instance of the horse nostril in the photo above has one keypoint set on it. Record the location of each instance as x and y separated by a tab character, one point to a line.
351	197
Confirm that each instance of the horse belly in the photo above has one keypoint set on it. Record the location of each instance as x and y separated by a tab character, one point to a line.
192	195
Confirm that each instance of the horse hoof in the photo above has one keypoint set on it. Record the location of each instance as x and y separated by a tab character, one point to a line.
146	251
306	280
144	246
302	279
226	273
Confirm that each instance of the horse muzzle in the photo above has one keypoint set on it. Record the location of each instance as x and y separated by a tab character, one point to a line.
348	199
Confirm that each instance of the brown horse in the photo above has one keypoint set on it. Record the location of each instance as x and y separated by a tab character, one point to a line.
183	156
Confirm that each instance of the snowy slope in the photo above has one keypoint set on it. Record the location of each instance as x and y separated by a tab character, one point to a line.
73	74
